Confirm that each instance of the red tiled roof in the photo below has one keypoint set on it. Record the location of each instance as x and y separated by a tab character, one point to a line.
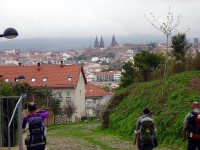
56	75
94	91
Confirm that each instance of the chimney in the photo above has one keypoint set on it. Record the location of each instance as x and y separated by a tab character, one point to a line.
1	77
20	64
38	64
61	63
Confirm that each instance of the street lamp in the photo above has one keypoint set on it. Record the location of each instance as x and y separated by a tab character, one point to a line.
9	33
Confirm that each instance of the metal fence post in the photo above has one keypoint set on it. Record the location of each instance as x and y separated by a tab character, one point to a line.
20	125
19	106
0	123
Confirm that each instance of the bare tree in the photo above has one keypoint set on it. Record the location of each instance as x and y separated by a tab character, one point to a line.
69	109
168	27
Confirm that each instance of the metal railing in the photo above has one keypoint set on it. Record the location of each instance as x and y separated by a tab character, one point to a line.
19	106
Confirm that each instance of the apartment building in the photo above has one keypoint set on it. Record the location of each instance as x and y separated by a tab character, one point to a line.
110	76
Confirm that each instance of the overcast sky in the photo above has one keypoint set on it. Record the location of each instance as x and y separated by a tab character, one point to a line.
88	18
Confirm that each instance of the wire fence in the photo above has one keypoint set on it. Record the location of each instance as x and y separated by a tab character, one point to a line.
7	105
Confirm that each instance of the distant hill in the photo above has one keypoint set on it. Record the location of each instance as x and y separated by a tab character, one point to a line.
169	99
60	43
46	44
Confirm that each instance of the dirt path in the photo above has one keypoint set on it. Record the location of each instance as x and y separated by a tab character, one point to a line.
85	136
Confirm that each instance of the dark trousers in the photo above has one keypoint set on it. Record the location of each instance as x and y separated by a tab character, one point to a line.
193	144
144	147
39	147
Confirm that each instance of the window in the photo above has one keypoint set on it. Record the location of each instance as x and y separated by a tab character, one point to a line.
68	94
44	79
89	102
33	79
68	99
69	79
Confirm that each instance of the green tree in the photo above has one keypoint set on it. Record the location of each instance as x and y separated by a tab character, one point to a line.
106	87
128	74
180	46
45	99
145	62
196	62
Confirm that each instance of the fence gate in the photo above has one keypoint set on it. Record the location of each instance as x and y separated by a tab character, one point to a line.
7	106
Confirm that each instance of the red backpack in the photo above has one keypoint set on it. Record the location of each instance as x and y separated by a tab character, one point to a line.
194	125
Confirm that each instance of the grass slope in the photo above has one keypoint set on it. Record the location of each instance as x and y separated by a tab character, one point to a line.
169	99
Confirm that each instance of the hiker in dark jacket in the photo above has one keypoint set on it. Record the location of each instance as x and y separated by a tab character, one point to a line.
191	128
33	112
33	115
137	133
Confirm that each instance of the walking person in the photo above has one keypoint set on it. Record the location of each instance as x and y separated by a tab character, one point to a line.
35	128
145	131
191	127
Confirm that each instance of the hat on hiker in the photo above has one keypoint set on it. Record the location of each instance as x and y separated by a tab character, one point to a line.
146	110
32	106
195	103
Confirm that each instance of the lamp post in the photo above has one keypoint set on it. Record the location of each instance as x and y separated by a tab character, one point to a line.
9	33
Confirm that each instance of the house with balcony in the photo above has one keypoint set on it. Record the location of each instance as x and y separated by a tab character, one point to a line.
68	80
96	100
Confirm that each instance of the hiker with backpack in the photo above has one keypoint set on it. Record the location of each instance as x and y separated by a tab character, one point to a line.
191	128
145	131
35	128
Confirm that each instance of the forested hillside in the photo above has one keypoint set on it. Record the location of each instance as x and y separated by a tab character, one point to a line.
169	99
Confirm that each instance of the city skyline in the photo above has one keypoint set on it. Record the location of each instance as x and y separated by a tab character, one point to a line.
84	20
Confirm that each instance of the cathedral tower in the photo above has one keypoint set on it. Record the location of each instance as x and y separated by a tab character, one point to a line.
96	43
113	43
101	43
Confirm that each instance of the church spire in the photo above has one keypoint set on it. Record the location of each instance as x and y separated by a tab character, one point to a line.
96	43
101	43
113	43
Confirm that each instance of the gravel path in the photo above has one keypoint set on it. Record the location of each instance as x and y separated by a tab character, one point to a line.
85	137
82	137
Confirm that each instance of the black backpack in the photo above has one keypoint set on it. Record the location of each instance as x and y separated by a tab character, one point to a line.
147	131
36	132
194	123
